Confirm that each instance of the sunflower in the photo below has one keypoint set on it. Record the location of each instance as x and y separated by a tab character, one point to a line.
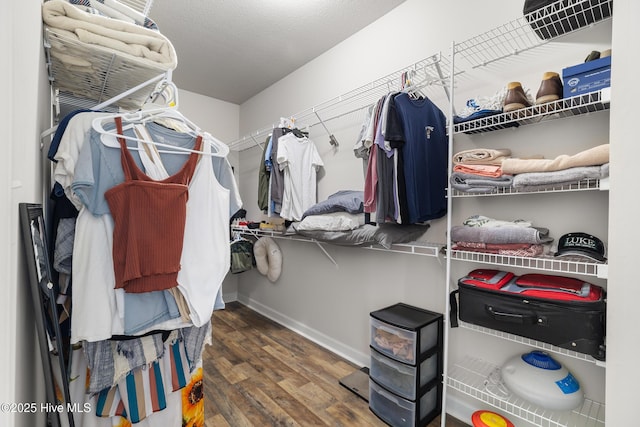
193	401
123	422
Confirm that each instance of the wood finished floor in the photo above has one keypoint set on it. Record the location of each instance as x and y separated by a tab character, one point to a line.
259	373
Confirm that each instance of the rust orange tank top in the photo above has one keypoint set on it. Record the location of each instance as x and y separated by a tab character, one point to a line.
149	220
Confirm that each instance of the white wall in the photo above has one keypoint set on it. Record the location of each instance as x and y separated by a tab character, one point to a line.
24	115
331	304
623	340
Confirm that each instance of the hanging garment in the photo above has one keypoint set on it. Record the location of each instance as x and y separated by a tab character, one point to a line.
97	313
264	171
149	219
276	178
421	132
206	253
298	158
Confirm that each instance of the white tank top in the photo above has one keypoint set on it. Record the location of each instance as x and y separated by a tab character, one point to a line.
205	252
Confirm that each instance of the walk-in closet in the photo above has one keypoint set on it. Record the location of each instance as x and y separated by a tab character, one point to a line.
403	213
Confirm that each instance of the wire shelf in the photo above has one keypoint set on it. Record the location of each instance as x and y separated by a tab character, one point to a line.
142	6
470	377
430	73
583	185
424	249
101	74
532	30
568	107
548	263
533	343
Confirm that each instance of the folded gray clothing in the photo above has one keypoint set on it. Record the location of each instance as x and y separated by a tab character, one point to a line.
565	176
472	183
194	340
498	235
63	251
109	360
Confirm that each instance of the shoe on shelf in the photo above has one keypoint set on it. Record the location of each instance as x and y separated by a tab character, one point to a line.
592	56
597	55
550	88
516	98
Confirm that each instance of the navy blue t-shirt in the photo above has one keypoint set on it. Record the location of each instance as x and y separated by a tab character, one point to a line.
419	129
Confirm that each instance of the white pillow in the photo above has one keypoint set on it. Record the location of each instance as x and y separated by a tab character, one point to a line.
335	221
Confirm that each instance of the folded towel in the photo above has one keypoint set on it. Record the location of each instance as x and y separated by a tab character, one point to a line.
471	183
481	156
485	221
542	180
493	171
128	39
529	251
506	234
592	157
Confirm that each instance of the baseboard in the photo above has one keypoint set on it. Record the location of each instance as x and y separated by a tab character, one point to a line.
342	350
230	296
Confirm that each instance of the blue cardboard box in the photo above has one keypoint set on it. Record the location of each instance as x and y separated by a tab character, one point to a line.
587	77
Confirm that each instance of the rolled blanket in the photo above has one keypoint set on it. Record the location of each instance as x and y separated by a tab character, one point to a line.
481	156
126	38
506	234
592	157
541	180
493	171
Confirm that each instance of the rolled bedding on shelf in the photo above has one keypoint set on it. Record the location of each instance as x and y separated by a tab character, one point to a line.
595	156
125	38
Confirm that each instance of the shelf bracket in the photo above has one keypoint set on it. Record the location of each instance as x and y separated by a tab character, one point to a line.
332	139
256	142
328	255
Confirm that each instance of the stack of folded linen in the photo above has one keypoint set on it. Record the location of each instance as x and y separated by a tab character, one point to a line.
541	174
480	170
487	235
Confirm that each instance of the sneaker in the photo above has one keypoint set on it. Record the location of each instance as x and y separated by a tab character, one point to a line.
484	104
516	98
550	88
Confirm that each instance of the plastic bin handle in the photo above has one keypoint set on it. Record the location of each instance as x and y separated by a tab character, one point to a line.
519	318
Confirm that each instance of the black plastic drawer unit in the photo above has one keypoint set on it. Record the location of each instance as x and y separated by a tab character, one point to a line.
405	385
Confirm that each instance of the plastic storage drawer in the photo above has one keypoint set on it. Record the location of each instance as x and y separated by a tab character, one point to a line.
404	380
399	412
405	333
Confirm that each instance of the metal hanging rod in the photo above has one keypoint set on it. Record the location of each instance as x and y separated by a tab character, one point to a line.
430	71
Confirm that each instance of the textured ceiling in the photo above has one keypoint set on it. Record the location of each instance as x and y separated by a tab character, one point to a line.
233	49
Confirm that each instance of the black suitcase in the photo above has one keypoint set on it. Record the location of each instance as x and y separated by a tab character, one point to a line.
561	311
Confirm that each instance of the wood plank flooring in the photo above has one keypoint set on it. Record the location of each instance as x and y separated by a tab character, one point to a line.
259	373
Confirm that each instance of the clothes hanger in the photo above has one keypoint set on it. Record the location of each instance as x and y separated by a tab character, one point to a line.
142	116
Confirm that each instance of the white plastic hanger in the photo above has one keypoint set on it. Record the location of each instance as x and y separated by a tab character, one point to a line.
151	114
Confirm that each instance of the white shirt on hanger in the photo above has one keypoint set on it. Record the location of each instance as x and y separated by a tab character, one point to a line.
299	159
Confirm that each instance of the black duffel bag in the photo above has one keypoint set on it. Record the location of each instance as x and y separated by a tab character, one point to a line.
552	18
